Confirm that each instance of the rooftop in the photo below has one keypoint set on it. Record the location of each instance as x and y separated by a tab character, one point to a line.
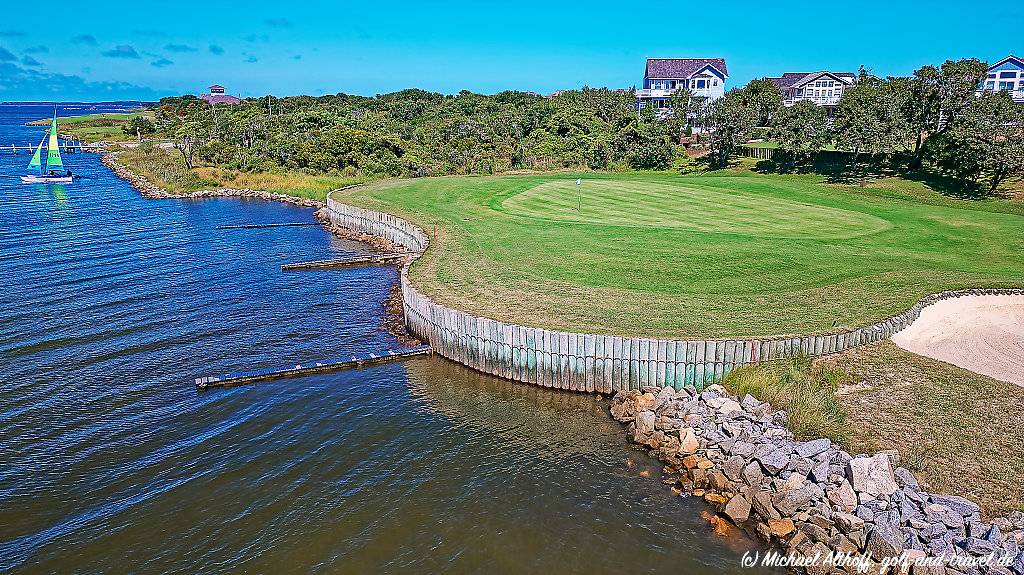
675	68
797	78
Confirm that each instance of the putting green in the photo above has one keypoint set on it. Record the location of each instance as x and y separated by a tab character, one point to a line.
706	209
729	254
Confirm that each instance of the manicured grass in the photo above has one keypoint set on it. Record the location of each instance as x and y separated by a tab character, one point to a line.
95	127
166	169
726	254
958	431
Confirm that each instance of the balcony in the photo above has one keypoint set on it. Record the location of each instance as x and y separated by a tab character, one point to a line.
821	100
646	93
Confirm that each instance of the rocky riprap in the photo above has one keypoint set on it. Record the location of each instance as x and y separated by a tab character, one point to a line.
152	191
809	497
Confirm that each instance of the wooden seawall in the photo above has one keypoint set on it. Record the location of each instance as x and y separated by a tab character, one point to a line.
356	361
595	362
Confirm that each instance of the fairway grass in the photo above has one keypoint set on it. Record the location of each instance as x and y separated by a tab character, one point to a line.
731	254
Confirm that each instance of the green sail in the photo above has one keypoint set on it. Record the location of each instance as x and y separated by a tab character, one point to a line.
53	148
36	162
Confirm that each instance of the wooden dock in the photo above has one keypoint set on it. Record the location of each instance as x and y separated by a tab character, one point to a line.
357	261
356	361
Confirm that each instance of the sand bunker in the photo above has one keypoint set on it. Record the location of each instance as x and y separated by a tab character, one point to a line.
984	334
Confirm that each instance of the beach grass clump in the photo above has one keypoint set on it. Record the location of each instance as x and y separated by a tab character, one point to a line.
164	168
806	390
296	184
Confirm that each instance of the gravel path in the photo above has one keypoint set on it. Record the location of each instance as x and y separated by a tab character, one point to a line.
984	334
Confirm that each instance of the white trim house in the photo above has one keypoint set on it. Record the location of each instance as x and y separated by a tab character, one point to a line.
704	77
823	88
1006	75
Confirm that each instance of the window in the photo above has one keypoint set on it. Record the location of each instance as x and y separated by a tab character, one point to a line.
990	85
700	84
1006	85
992	76
1008	74
716	82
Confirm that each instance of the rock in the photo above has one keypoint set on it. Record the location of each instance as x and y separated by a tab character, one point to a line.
819	473
1018	564
964	507
794	481
742	448
646	402
848	523
738	509
752	474
749	402
773	461
843	497
979	547
727	406
718	480
865	513
904	478
886	539
935	513
781	527
872	475
762	503
733	467
812	448
645	422
688	441
789	502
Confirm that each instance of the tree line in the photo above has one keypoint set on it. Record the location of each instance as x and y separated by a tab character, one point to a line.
934	119
931	120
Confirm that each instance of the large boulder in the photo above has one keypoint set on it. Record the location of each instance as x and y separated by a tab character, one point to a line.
738	509
872	475
688	442
964	507
886	539
812	448
843	497
773	460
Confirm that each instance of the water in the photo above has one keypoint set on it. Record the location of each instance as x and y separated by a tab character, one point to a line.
110	461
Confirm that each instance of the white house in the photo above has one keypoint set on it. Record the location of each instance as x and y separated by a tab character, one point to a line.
1006	75
823	88
704	77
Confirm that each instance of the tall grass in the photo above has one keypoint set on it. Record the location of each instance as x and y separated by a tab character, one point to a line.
290	183
166	169
806	390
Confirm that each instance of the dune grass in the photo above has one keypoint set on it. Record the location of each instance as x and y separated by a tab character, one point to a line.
728	254
958	431
806	390
166	169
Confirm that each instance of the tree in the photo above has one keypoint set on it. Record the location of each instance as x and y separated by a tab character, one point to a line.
985	144
764	99
188	137
934	98
730	120
868	119
138	126
684	108
801	130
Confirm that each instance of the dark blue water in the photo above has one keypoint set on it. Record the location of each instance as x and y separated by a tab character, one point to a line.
110	461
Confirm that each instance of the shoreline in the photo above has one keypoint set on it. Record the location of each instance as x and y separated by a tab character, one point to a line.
806	497
392	320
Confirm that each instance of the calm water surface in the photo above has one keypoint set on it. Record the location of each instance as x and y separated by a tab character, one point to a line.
110	461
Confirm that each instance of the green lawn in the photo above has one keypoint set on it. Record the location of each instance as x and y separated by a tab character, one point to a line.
727	254
95	127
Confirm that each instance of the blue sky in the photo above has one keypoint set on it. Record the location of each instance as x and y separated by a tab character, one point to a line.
144	51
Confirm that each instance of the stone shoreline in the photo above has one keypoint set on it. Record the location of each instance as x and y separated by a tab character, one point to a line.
151	191
812	498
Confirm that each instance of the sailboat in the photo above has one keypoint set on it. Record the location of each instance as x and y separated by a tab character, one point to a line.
50	174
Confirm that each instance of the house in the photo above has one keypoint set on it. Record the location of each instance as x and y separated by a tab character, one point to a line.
1006	75
823	88
704	77
217	96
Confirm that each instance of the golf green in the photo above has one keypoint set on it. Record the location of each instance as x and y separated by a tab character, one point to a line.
730	254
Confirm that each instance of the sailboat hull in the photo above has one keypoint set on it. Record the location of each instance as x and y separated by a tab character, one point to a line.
47	179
